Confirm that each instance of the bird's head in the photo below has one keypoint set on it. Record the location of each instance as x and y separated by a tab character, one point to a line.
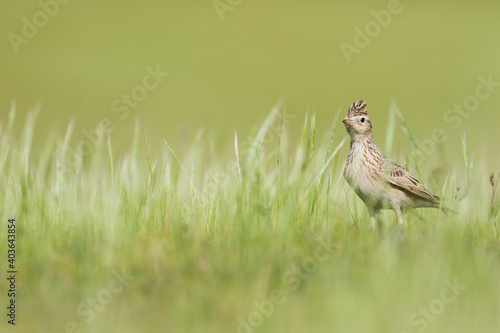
357	122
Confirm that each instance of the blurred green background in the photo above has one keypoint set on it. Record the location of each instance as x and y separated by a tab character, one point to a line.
225	75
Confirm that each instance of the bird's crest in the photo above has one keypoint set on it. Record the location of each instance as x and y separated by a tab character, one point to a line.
357	108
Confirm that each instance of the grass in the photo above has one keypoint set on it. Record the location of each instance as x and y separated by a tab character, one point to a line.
217	237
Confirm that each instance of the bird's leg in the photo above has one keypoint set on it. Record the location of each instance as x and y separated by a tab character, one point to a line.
397	210
373	217
373	221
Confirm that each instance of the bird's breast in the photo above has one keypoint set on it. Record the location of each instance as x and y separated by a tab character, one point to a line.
363	173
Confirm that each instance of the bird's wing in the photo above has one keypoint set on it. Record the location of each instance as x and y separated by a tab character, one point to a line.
397	176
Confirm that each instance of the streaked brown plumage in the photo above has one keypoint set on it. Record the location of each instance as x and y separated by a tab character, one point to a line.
378	181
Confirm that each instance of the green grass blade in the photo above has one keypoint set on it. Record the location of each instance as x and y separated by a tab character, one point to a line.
391	128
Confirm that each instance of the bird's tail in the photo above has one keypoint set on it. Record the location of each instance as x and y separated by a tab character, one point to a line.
439	204
448	210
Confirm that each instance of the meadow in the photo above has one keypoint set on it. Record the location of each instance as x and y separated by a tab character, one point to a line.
262	235
155	188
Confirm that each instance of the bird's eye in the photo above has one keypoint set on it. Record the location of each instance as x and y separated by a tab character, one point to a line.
362	119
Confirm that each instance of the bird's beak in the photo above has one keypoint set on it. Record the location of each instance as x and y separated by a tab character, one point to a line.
346	121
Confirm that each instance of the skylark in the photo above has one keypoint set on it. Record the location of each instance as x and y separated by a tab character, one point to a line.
378	181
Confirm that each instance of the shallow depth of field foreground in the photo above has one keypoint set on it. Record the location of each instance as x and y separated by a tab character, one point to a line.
262	235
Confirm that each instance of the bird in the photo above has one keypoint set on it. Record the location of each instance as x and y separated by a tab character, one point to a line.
380	182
